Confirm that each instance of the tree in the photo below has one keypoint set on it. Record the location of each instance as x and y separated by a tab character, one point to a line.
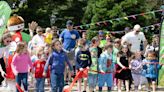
101	10
42	10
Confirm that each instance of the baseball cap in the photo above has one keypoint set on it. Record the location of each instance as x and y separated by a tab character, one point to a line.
69	23
137	27
101	33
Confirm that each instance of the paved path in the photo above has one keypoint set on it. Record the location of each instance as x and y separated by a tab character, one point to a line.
47	89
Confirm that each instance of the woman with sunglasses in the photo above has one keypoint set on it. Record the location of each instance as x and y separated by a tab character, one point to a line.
7	47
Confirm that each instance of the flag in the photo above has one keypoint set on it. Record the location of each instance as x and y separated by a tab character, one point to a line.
87	25
153	13
133	16
111	21
126	18
81	27
5	12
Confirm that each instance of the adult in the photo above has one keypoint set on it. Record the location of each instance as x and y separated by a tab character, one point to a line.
102	39
54	32
153	46
38	39
69	37
84	36
109	39
134	39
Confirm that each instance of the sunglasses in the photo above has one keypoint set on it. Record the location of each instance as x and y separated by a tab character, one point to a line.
137	31
8	41
40	31
117	42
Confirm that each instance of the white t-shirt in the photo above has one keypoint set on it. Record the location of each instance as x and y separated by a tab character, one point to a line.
5	51
150	48
2	51
38	40
134	40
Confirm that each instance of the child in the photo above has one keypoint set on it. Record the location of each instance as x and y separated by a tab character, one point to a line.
116	48
83	60
48	36
38	66
150	69
95	44
79	45
47	52
8	48
123	64
136	69
56	61
106	67
92	75
20	65
5	41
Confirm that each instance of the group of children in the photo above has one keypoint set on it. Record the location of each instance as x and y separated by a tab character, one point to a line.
111	65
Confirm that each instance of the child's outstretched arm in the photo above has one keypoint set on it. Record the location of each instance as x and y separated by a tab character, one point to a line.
119	63
2	72
48	62
101	62
77	61
68	63
90	60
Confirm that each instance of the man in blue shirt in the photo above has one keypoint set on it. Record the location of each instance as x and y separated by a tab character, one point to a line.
68	37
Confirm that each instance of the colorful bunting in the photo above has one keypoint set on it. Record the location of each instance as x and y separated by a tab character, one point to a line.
142	14
105	23
111	21
87	26
152	27
134	17
118	19
98	23
146	28
81	27
153	14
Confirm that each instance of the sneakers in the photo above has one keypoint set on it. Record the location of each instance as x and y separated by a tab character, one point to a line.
139	87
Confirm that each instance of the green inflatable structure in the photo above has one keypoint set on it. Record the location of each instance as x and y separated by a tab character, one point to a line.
5	12
161	56
26	37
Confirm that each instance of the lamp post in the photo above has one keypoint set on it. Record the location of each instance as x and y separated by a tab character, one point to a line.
162	7
52	19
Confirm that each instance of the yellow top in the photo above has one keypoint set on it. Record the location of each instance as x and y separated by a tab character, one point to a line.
48	38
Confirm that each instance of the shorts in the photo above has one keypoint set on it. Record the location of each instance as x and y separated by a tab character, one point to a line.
105	78
84	74
92	80
71	57
150	80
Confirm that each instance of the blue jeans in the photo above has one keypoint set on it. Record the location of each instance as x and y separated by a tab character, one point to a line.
22	78
40	84
57	82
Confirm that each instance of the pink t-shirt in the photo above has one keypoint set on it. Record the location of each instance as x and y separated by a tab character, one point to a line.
21	63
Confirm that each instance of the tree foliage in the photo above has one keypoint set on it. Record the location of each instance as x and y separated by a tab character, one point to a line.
101	10
87	12
41	11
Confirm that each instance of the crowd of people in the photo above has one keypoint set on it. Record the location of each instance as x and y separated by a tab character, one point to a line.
57	58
